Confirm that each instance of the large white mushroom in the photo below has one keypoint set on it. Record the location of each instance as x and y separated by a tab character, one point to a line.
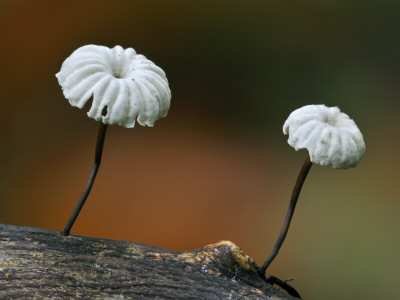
125	87
126	84
331	138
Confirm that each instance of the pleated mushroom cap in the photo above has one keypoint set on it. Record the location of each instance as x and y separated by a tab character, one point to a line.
127	84
329	135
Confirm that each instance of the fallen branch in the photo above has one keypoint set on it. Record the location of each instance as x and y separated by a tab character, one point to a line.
39	263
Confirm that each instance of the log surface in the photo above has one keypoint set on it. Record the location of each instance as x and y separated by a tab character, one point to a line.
39	263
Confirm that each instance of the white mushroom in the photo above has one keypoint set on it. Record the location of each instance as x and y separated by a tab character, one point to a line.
331	138
127	84
329	135
125	87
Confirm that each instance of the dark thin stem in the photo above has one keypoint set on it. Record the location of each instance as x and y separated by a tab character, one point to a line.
295	195
96	165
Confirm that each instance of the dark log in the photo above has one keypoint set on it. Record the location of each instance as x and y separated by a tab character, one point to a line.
38	263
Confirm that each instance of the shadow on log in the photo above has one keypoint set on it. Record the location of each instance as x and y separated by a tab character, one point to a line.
39	263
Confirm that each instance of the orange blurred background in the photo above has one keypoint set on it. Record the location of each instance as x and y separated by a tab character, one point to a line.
218	166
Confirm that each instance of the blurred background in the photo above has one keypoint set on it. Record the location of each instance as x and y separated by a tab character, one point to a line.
218	166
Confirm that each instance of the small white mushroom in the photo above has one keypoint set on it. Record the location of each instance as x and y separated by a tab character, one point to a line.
329	135
126	84
125	87
331	138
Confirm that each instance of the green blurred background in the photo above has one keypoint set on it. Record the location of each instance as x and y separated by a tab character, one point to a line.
218	166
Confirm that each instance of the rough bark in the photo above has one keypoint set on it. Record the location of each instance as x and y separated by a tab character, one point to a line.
37	263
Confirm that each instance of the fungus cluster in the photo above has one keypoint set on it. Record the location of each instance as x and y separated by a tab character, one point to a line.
127	87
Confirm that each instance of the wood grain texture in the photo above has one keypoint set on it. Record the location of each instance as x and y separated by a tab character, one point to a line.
39	263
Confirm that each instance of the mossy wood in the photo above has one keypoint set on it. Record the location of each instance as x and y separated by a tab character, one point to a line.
39	263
